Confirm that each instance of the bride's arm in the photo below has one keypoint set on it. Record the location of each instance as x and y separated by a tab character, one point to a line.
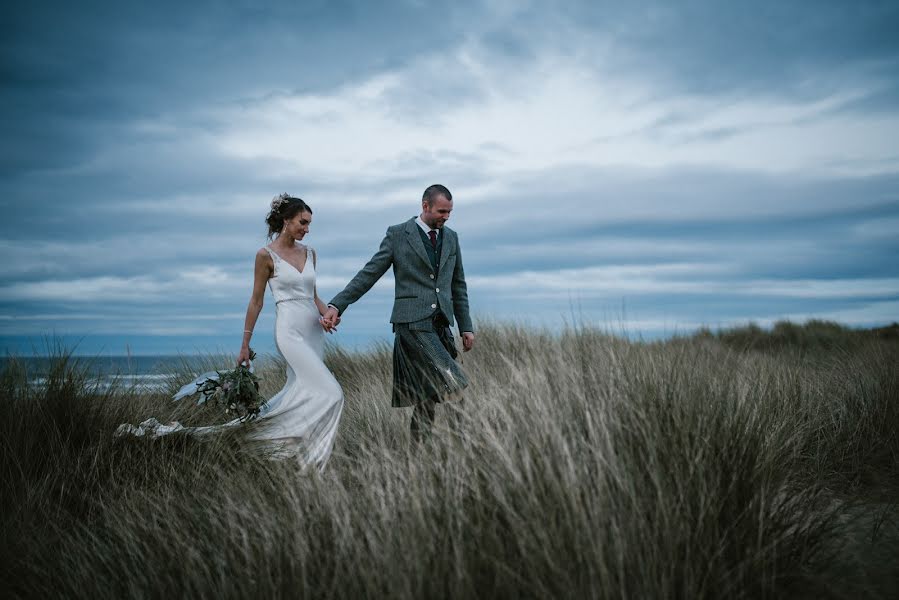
261	273
322	307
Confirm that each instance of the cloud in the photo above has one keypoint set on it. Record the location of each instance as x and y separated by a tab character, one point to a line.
684	278
557	111
697	163
209	281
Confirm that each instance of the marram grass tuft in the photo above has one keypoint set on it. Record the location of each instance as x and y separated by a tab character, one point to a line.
580	464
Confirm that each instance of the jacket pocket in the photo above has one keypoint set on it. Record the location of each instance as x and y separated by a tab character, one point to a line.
404	297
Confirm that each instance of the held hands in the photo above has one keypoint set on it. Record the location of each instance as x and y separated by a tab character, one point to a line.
330	320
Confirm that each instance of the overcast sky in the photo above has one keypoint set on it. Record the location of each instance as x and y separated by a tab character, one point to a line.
645	166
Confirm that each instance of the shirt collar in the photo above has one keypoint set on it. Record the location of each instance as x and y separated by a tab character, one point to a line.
424	226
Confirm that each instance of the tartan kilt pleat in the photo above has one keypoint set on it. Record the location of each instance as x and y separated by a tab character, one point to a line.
423	367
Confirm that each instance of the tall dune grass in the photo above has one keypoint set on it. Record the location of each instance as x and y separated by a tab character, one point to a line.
579	465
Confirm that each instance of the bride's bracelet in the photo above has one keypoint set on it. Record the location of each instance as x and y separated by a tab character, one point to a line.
250	331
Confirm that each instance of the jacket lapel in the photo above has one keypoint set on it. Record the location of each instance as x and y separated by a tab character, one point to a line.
414	239
447	248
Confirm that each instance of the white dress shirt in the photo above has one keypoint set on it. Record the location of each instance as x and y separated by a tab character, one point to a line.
424	227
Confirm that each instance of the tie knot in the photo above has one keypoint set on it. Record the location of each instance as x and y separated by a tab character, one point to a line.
433	235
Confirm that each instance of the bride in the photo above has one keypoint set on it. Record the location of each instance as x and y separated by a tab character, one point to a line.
300	420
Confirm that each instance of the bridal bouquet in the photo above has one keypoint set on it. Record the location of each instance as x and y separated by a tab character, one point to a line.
236	389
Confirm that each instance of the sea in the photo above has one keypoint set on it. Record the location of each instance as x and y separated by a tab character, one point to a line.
137	373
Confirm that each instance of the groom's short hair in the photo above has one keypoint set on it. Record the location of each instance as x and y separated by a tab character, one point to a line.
433	191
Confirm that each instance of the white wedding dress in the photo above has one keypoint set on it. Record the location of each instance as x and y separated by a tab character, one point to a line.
301	420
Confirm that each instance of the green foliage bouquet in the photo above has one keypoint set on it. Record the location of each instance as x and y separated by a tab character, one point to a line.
236	389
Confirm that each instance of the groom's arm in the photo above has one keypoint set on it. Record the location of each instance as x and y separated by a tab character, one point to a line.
460	295
366	277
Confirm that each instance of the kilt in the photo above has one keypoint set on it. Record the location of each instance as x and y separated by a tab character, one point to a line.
424	365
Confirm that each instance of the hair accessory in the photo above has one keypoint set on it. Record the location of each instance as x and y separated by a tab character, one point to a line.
279	201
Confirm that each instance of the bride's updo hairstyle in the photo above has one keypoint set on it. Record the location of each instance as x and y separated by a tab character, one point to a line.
284	207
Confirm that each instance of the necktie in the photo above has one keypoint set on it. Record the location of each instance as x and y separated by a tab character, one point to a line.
433	235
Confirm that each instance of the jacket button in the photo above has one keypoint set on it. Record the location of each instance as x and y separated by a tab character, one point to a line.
432	276
438	290
433	306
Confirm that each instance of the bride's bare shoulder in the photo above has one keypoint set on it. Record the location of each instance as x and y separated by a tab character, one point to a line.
307	249
264	257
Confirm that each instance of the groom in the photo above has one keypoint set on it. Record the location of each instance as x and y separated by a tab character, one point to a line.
429	291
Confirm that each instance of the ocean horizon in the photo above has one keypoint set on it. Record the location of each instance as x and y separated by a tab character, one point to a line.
149	373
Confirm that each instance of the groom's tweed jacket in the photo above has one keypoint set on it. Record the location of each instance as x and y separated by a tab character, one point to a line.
418	291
